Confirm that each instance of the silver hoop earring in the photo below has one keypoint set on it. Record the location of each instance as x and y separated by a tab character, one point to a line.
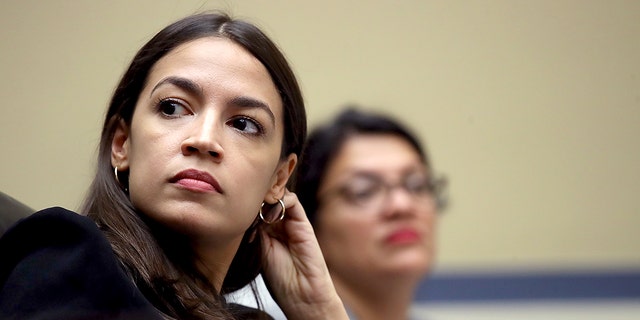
115	172
279	218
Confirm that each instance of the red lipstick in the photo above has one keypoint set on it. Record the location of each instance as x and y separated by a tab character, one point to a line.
196	180
403	236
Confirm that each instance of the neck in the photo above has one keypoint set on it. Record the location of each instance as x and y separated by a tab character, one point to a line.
213	262
208	256
386	297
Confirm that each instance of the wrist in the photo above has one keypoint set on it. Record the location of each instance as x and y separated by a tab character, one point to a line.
329	309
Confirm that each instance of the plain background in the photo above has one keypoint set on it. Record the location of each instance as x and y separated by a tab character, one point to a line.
531	108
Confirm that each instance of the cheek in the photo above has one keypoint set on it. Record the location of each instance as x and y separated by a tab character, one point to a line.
250	167
339	233
430	228
430	221
151	147
148	161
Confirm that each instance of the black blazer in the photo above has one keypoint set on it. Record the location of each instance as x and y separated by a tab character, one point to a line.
57	264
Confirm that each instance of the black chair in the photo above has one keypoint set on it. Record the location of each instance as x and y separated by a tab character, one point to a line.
11	210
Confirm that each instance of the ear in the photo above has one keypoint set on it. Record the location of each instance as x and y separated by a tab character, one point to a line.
283	172
120	147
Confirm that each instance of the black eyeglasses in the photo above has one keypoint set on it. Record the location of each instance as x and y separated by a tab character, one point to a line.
369	191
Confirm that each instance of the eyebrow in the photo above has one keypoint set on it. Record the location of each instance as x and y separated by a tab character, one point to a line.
182	83
248	102
195	89
367	174
362	174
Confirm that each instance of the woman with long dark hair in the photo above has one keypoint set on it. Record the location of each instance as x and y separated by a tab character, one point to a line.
189	201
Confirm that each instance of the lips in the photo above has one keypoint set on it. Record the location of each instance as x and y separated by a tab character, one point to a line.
196	180
403	236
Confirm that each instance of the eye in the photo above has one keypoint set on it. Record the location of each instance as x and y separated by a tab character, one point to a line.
418	184
172	108
361	191
246	125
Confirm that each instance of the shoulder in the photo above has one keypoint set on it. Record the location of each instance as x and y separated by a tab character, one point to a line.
57	262
45	219
51	230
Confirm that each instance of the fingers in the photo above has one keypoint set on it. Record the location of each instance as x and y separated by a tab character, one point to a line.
288	207
294	226
294	208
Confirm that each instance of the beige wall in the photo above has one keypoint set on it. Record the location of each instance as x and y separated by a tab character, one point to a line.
532	108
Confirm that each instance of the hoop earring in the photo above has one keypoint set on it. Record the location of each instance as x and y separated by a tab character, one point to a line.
115	172
279	218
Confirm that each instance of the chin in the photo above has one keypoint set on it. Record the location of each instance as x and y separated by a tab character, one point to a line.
417	265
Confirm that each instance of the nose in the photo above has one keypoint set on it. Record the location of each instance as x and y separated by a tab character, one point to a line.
399	203
204	137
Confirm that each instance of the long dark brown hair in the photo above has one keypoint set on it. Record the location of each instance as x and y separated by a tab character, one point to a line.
164	270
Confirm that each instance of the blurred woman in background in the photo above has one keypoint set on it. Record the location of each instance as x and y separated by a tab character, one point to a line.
370	192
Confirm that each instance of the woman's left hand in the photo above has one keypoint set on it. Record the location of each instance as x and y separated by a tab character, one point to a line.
295	270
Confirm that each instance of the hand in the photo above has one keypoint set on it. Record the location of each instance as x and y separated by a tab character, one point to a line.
295	270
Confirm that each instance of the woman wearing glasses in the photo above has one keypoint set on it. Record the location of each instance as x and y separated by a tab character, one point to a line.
369	191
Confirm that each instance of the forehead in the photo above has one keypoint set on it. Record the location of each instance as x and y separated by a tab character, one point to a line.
381	153
212	51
